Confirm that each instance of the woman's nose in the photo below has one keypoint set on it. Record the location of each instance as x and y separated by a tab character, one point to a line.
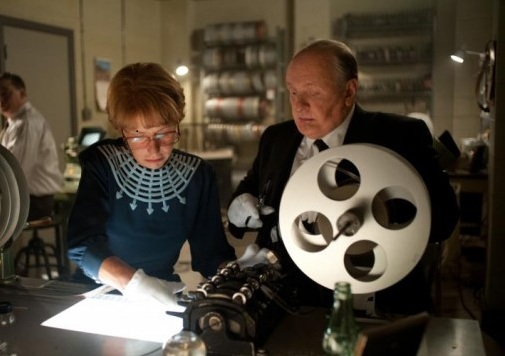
153	145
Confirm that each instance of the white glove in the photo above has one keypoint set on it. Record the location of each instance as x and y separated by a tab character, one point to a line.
243	211
308	216
253	255
144	287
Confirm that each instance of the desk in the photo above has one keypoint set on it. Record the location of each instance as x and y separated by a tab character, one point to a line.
472	192
302	336
294	336
472	189
28	337
470	182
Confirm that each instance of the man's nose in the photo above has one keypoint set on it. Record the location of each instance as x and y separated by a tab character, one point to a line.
300	103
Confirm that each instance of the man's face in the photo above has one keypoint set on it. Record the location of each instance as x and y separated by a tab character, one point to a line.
319	103
11	98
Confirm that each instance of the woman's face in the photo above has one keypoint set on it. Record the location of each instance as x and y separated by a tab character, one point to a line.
151	147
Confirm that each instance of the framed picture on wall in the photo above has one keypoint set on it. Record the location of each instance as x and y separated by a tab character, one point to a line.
102	80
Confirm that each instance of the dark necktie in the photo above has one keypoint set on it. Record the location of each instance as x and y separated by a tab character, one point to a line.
321	145
311	227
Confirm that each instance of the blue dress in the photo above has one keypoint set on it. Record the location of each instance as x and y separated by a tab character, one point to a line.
144	216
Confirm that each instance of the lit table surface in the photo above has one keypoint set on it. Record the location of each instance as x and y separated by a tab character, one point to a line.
294	335
28	337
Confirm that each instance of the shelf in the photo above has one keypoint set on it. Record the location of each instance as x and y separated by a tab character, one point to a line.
247	108
256	56
393	95
396	62
235	33
394	53
370	25
372	32
240	91
239	82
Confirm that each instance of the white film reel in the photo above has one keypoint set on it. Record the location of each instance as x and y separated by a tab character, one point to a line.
371	226
14	197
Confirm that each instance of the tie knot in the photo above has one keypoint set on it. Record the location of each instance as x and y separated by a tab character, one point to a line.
321	145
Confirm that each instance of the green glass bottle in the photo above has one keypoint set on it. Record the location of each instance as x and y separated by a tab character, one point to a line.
342	331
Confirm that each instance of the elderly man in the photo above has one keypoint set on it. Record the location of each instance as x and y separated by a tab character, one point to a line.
322	81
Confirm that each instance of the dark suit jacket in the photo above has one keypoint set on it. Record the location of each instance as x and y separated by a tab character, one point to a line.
408	137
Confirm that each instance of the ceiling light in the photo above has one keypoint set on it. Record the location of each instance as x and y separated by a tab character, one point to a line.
181	70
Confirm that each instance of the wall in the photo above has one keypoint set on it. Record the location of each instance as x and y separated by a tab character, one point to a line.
216	11
308	28
493	319
444	67
122	34
122	31
150	30
473	28
175	45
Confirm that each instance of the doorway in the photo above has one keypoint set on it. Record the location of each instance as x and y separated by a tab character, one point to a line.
43	56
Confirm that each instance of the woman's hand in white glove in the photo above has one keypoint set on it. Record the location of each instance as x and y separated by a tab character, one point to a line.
253	255
243	211
144	287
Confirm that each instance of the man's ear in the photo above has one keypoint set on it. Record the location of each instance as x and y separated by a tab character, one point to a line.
351	90
23	93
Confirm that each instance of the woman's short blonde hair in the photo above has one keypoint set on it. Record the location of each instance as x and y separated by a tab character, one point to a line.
147	91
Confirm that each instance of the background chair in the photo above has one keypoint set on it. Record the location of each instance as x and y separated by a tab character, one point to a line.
39	254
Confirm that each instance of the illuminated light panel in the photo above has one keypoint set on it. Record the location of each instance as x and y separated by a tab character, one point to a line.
114	315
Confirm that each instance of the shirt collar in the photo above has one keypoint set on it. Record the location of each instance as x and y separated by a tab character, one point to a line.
21	111
336	137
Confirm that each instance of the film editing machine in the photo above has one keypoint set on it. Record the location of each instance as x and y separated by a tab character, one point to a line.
235	311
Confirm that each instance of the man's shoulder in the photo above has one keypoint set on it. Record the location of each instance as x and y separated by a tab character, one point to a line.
32	112
386	117
380	122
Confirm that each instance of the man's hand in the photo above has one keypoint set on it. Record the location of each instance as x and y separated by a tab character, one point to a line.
144	287
243	211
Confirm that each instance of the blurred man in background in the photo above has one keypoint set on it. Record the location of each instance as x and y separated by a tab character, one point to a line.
30	139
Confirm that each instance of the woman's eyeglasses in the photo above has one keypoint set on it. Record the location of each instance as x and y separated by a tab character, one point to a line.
163	138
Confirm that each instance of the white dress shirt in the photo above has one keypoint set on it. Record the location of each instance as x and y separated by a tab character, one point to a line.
307	149
29	138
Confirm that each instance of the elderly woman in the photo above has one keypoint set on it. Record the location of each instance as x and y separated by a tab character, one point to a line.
139	198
